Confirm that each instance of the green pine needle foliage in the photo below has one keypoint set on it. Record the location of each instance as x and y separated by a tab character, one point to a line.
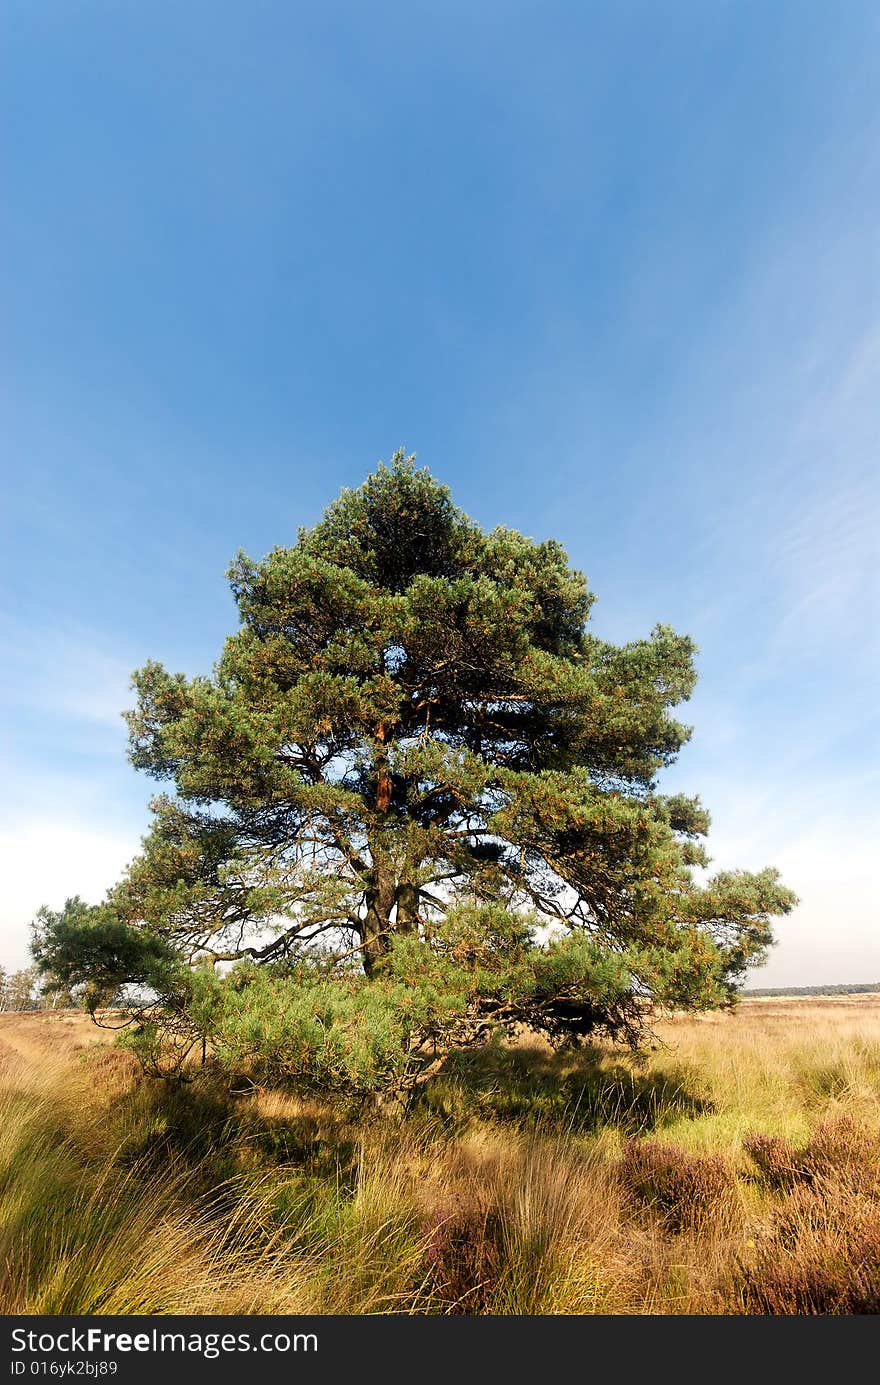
415	804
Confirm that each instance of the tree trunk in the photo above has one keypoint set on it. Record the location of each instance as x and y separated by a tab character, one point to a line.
407	908
376	931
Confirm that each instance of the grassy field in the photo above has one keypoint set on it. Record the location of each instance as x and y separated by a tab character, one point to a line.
736	1169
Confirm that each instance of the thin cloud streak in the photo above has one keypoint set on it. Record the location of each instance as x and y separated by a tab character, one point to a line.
69	671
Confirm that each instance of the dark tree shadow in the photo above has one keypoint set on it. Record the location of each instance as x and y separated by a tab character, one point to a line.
579	1090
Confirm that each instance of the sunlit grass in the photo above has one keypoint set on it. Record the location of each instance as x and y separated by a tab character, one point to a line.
736	1168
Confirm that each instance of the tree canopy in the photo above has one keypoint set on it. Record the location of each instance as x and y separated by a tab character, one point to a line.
415	800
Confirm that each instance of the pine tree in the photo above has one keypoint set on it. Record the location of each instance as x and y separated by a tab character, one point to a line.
416	799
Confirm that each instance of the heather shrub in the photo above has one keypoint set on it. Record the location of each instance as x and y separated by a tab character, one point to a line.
464	1255
777	1159
684	1189
840	1151
843	1150
815	1264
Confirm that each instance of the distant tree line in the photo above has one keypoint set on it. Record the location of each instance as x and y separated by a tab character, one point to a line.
23	990
856	989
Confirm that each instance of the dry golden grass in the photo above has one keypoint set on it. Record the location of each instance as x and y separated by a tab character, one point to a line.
735	1169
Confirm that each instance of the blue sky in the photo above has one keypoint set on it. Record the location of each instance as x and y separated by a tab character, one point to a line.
612	271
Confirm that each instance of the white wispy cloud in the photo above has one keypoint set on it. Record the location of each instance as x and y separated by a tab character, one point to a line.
44	860
69	820
824	852
69	671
